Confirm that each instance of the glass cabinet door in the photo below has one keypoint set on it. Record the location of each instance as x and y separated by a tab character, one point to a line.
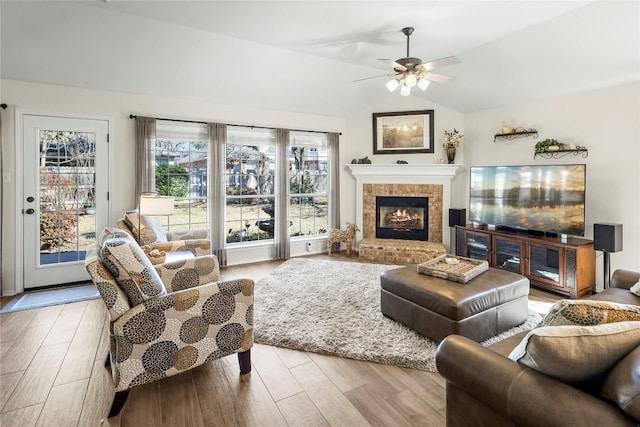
544	264
507	254
477	246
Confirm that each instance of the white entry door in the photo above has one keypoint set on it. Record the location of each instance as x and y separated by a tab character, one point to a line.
65	196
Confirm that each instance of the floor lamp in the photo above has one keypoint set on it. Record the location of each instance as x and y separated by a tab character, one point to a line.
607	238
153	204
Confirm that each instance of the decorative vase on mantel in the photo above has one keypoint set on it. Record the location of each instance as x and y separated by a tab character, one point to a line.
451	155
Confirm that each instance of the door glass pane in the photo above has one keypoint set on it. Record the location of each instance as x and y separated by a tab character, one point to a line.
66	195
507	255
544	263
477	246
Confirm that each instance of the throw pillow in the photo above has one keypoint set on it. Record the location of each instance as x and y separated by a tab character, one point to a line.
623	384
577	354
589	312
132	270
635	289
146	229
110	233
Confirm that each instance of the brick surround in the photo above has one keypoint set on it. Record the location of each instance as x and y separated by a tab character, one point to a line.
401	251
433	181
432	191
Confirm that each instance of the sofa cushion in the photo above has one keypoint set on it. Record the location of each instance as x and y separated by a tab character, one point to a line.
577	354
146	229
623	384
589	312
132	270
635	289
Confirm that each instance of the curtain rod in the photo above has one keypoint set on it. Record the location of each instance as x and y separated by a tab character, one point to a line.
3	106
131	116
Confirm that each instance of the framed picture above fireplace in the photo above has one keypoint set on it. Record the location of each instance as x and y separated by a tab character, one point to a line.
403	132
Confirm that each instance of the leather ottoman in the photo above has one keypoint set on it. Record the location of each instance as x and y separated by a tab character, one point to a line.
488	304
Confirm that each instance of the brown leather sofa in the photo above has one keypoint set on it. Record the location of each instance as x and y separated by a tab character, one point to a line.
486	388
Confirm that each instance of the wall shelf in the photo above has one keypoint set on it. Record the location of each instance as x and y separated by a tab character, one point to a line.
558	154
514	135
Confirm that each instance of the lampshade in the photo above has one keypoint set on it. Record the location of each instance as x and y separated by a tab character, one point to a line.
423	84
405	90
392	85
152	204
410	80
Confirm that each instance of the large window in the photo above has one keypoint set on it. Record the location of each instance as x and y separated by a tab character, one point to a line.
181	169
250	173
182	159
308	184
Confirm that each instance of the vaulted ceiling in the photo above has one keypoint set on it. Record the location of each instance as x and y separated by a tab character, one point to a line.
304	55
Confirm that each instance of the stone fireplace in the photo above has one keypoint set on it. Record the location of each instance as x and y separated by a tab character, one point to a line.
431	182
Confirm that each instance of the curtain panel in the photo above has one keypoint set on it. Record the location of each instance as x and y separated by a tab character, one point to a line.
145	156
218	158
334	180
281	212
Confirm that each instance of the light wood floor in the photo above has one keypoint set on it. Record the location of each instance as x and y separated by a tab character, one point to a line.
52	374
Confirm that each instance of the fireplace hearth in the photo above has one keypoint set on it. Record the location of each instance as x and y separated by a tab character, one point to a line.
405	218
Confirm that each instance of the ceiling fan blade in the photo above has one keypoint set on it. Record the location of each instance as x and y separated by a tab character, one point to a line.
443	62
440	78
394	64
375	77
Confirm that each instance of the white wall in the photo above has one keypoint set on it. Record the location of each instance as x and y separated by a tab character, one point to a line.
606	121
26	96
360	144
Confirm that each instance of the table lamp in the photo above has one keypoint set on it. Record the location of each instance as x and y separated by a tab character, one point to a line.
154	204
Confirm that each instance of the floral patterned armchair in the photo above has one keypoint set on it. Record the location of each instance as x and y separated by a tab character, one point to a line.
166	319
146	230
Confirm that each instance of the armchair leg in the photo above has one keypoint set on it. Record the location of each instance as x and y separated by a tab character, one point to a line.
244	360
107	361
118	402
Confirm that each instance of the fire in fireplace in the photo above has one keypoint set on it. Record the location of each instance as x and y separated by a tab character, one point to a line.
404	218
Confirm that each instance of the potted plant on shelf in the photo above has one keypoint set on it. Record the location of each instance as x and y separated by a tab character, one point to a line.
548	145
451	142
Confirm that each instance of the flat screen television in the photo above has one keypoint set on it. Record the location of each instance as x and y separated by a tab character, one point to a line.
544	198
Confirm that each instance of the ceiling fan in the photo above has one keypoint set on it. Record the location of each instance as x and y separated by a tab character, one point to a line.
410	72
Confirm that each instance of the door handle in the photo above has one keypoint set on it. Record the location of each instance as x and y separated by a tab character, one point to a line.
30	211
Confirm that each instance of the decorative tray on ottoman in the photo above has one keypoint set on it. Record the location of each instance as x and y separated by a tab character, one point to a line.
454	268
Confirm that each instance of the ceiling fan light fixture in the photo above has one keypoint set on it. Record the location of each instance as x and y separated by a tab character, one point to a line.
410	79
392	85
423	83
411	71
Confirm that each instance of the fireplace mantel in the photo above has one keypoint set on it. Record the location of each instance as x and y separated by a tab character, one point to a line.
440	174
386	171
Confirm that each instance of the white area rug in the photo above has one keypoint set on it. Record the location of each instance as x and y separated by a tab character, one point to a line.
333	307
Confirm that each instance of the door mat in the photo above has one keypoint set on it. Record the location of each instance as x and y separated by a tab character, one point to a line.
30	300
